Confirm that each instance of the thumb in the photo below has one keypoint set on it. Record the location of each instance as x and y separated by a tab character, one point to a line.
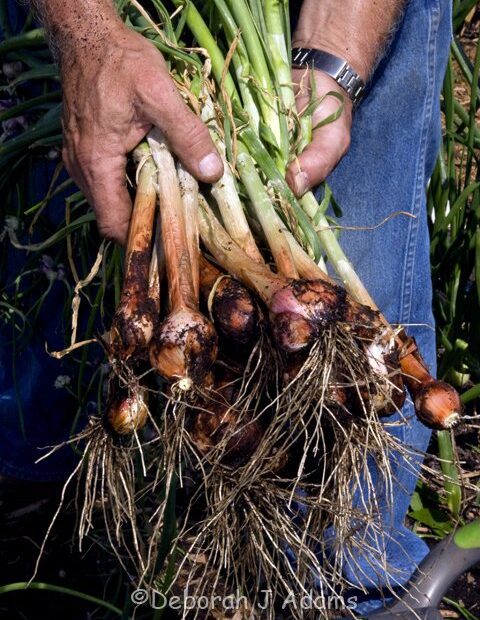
187	135
332	120
317	161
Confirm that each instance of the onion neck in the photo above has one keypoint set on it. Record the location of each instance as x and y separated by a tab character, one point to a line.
178	265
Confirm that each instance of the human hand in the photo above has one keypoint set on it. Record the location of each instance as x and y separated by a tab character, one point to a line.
331	141
115	88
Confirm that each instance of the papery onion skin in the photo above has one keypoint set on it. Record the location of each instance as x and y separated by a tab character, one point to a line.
126	414
185	346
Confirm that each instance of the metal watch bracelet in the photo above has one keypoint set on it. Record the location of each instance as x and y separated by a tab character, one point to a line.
336	67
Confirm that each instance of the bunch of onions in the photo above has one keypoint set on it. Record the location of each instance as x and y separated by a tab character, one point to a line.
274	377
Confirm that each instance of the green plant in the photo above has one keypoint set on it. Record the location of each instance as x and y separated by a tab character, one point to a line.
454	211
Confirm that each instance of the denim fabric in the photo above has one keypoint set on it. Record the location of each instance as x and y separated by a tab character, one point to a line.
395	141
34	413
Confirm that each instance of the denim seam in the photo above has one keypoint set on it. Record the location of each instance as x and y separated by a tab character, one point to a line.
409	264
410	254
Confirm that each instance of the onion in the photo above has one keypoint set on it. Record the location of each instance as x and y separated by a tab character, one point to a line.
136	315
233	307
437	404
185	345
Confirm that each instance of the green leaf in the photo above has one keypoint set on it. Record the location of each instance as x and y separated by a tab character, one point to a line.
468	536
31	38
38	73
266	134
438	521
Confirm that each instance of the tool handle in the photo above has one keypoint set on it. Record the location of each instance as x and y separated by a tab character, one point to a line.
441	568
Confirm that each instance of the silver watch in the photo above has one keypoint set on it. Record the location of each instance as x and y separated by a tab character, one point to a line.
336	67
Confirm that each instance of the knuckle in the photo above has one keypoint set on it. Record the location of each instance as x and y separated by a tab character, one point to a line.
196	136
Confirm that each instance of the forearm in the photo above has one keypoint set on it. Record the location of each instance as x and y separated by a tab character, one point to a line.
76	24
357	30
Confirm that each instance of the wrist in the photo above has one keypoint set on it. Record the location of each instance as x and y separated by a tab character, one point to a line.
354	57
354	30
80	28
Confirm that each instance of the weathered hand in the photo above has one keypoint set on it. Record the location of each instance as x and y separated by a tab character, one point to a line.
330	142
114	90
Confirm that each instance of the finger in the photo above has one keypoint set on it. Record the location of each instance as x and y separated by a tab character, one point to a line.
329	144
75	172
317	161
111	200
187	135
103	181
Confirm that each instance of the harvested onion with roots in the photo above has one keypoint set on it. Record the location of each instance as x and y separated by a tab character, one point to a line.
244	378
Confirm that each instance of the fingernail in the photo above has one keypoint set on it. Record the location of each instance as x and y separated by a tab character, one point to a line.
301	183
210	165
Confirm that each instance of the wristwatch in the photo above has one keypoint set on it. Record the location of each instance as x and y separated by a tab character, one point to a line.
336	67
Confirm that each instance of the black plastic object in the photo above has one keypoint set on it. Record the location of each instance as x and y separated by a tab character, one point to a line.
439	570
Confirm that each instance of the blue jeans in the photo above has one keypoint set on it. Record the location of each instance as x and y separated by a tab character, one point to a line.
34	413
395	141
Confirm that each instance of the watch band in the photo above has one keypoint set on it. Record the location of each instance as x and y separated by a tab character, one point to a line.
336	67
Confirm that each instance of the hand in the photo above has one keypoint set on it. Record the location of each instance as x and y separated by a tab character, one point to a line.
330	142
113	92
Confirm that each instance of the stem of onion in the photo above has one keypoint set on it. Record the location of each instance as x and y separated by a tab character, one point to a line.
185	346
189	192
135	318
226	195
270	221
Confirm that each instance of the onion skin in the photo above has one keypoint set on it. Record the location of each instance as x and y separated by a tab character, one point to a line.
293	332
234	310
437	404
302	307
126	414
185	346
388	394
220	423
136	316
314	300
397	390
213	427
